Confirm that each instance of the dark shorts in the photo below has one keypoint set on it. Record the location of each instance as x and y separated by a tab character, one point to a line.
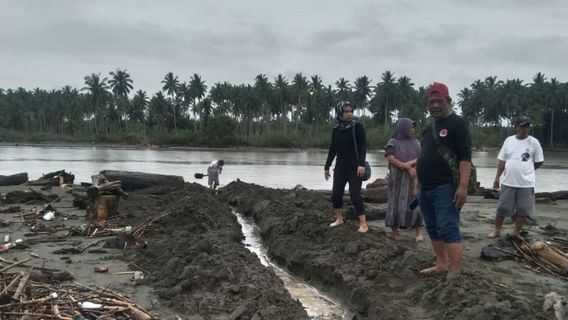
516	202
441	217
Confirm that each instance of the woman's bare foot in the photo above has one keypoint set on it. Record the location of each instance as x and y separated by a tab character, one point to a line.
363	229
494	234
336	223
434	270
419	237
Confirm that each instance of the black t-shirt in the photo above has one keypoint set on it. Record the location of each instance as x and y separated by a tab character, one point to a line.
453	132
342	146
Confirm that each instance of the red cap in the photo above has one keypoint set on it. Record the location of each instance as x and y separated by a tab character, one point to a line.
438	89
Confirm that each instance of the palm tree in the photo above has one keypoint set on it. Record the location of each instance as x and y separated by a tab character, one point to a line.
73	115
492	112
554	102
263	89
362	93
538	98
343	89
137	112
477	101
120	84
197	90
385	96
157	111
171	86
281	88
300	89
185	98
220	95
329	100
405	92
206	108
98	96
315	108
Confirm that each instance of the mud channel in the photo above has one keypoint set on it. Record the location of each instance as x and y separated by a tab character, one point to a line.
317	305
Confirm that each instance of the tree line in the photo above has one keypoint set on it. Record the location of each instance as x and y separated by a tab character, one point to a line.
296	110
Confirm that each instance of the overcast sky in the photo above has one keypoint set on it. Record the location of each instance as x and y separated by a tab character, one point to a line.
50	44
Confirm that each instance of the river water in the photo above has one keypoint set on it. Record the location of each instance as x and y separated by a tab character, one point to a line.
272	168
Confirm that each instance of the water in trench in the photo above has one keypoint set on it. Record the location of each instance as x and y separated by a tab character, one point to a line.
317	305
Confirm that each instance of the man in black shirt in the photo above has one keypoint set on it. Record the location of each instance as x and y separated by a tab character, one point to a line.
447	144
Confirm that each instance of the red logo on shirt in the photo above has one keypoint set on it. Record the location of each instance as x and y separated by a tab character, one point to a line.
443	133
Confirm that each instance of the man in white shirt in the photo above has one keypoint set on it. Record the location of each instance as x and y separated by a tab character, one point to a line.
519	157
213	172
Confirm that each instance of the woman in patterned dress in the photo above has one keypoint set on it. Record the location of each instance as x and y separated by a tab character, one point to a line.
401	152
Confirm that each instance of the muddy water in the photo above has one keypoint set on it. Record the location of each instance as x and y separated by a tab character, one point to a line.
316	303
271	168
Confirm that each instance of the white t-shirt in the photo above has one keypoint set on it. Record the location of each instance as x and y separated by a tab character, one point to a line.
519	157
214	166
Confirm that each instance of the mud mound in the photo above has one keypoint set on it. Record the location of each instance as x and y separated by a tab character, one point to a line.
373	275
199	266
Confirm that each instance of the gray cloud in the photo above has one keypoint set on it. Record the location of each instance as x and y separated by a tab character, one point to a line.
50	44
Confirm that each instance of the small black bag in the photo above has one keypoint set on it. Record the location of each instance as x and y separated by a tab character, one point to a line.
367	165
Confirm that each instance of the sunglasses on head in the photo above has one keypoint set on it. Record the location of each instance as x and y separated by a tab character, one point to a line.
525	125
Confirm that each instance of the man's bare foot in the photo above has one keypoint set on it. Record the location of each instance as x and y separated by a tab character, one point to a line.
394	235
434	270
336	223
419	237
495	234
363	229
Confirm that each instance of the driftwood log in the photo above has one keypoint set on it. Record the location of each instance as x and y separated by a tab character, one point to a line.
53	179
29	196
375	195
14	179
102	186
138	180
556	195
373	211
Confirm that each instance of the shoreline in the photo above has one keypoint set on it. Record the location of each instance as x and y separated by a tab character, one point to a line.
125	146
147	146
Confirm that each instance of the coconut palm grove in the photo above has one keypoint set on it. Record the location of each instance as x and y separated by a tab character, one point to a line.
269	111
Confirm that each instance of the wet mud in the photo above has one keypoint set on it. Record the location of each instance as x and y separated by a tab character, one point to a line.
376	277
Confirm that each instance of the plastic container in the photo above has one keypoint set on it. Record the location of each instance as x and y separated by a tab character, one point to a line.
49	215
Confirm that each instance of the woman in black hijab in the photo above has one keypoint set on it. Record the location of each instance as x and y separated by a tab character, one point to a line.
348	169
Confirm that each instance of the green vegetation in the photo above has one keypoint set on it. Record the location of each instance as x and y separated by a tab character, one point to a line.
280	113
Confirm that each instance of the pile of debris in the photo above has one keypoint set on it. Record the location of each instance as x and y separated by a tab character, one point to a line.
24	297
545	257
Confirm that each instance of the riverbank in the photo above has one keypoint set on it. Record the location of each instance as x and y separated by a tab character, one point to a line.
144	146
118	146
196	266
